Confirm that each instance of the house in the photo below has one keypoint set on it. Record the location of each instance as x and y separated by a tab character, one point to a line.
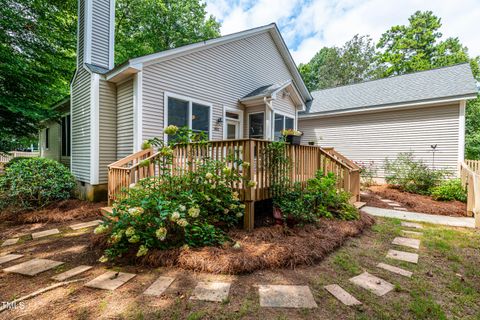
243	85
421	112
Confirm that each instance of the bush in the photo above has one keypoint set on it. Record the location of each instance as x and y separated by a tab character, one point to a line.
33	183
15	160
411	175
368	171
450	190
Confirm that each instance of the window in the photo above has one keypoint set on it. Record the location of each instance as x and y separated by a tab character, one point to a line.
66	133
282	122
185	113
256	125
47	138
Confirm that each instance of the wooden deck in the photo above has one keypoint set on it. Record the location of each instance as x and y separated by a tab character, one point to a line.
305	161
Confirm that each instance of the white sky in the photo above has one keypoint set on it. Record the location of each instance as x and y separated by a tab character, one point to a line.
308	25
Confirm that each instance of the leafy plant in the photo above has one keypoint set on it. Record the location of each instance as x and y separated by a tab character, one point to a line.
412	175
35	182
368	171
450	190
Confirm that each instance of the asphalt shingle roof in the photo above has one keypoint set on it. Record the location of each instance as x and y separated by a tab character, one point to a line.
446	82
264	91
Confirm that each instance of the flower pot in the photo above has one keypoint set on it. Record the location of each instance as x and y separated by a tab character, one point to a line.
293	139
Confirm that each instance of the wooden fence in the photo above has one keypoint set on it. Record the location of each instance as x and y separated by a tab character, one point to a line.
470	177
304	162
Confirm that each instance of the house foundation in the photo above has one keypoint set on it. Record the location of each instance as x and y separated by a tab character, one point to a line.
89	192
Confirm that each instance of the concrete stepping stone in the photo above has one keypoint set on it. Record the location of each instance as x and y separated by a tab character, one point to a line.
372	283
286	296
403	256
211	291
71	273
386	200
396	270
110	280
45	233
33	267
10	242
85	224
394	204
400	208
413	233
159	286
411	225
342	295
9	257
407	242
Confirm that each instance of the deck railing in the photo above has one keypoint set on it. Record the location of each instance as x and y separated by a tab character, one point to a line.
304	162
470	177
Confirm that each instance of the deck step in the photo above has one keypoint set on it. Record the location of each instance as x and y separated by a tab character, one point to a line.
106	211
359	204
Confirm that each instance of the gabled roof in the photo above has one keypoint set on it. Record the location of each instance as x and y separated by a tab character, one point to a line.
271	91
425	86
135	65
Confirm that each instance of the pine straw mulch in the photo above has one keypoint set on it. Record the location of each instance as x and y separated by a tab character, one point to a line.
60	211
413	202
263	248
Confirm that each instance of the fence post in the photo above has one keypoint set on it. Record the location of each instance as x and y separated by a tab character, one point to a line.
249	156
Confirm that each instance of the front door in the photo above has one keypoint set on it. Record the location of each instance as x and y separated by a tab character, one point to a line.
233	130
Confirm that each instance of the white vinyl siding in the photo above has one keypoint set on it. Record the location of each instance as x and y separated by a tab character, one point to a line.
376	136
108	128
100	32
220	75
81	125
125	119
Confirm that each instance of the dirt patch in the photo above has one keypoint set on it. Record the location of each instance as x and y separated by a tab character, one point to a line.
263	248
413	202
66	210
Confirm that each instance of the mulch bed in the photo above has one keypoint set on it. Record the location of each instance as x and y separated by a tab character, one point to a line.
413	202
263	248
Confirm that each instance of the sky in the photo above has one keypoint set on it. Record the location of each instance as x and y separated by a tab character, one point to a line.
309	25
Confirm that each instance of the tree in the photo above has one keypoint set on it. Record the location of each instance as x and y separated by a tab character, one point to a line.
147	26
351	63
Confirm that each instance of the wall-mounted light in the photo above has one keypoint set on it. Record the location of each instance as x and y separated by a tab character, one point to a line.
219	120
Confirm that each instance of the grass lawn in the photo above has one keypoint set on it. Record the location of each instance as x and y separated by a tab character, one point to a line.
445	284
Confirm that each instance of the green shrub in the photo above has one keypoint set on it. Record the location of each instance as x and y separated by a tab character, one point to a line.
368	171
14	160
411	175
35	182
450	190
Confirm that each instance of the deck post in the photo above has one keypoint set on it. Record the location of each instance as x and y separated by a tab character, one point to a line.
249	156
249	217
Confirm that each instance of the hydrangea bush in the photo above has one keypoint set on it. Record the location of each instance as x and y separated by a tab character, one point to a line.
192	208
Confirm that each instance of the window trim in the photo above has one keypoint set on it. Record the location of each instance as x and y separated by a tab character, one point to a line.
264	124
239	120
285	115
190	101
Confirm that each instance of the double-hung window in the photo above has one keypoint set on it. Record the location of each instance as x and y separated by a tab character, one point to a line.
281	123
185	112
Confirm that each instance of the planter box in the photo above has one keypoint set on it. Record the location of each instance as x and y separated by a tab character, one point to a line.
293	139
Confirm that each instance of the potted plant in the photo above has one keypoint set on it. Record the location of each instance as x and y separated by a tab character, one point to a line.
292	136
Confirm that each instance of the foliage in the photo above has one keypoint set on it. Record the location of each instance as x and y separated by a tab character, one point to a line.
35	182
291	132
351	63
417	46
368	171
450	190
192	208
412	175
144	27
472	130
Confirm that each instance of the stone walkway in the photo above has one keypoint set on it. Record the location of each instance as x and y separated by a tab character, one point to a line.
421	217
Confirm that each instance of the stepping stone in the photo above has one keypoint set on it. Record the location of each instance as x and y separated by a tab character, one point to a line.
45	233
286	296
386	200
9	257
342	295
211	291
85	224
403	256
10	242
394	269
372	283
413	233
407	242
71	273
400	208
411	225
159	286
34	266
393	204
110	280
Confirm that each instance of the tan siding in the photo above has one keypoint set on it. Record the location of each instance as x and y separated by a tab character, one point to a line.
81	125
54	141
125	119
219	75
285	105
100	32
375	136
108	128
